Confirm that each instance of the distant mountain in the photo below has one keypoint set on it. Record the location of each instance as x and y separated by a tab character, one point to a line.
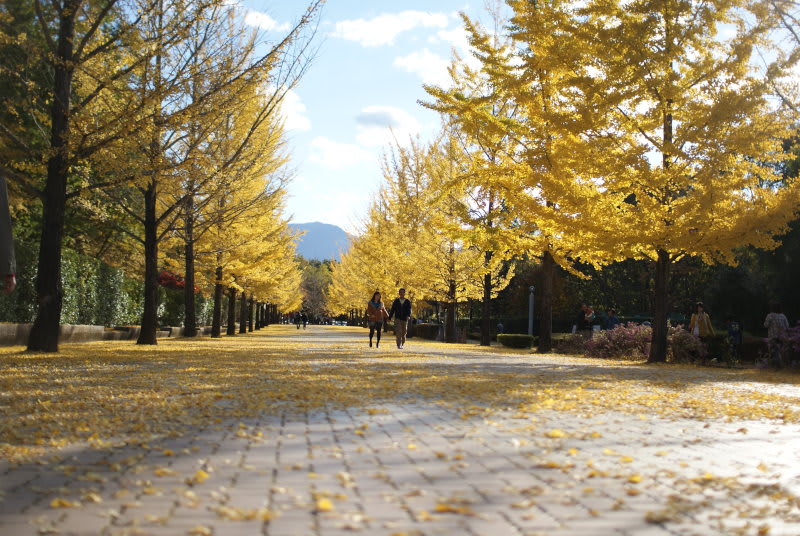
321	241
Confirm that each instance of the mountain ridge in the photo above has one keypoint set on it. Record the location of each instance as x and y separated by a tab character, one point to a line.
321	241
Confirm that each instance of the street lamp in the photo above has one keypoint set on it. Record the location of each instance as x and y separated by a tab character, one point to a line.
530	310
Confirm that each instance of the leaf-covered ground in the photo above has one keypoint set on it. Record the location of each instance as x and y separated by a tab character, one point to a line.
155	411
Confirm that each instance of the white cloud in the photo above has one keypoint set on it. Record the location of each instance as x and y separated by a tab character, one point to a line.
380	125
457	37
264	22
383	29
294	112
430	67
335	155
340	206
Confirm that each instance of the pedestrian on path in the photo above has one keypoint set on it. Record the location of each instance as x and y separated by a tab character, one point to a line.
376	316
700	323
776	324
304	318
612	320
401	311
584	319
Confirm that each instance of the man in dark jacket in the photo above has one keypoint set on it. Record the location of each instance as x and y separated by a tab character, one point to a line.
401	311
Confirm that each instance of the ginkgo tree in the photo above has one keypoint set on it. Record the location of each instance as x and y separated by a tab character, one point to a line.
420	200
697	132
527	125
453	263
110	102
83	55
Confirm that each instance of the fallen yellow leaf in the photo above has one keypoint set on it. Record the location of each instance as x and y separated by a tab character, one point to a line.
324	505
63	503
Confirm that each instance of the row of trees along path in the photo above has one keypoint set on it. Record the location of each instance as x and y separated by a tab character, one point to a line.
157	120
585	136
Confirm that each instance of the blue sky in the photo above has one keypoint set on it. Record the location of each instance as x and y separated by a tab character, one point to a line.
372	60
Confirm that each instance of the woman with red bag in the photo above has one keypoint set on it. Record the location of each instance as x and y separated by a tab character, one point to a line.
376	315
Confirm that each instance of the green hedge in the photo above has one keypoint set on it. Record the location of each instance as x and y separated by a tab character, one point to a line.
99	294
514	340
427	331
94	292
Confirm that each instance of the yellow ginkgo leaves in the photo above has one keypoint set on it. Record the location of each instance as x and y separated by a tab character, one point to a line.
232	513
324	504
192	376
446	508
199	477
64	503
163	471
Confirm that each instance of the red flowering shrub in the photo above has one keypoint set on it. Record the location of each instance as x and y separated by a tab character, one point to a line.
173	281
169	280
791	345
684	347
630	341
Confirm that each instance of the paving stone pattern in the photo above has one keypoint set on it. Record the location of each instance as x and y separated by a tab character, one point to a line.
410	468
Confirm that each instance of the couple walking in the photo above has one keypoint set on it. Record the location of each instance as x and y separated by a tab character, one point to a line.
378	316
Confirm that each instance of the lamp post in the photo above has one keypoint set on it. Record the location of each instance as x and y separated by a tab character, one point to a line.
530	310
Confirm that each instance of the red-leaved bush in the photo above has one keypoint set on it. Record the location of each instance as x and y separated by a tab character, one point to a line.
629	341
632	341
684	347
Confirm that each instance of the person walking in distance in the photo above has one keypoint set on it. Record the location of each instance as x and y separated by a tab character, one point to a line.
776	324
376	314
700	323
401	311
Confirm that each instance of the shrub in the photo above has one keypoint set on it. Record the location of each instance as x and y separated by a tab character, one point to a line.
572	343
630	341
476	335
427	331
514	340
683	347
719	347
791	345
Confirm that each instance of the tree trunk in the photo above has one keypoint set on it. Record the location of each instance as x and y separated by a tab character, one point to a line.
250	313
450	318
216	321
469	322
546	306
231	311
486	311
658	344
44	333
189	313
147	334
243	313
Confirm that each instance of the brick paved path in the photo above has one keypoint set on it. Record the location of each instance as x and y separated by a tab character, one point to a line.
409	467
